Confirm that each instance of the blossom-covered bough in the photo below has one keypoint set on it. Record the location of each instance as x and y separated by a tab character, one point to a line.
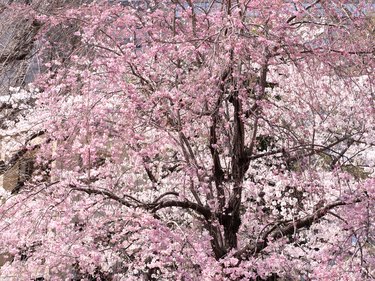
188	140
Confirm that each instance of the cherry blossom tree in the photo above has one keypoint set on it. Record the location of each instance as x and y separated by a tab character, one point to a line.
199	140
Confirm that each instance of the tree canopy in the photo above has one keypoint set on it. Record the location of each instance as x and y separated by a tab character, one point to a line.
196	140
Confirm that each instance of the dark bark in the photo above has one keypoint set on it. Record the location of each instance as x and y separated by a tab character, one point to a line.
281	230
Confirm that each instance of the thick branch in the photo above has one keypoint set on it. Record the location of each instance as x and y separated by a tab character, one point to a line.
154	206
217	169
107	193
290	228
205	212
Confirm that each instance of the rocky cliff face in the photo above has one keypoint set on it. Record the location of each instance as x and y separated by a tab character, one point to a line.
20	62
18	67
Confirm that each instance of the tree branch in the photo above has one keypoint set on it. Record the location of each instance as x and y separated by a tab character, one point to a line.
278	232
154	206
205	212
107	193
